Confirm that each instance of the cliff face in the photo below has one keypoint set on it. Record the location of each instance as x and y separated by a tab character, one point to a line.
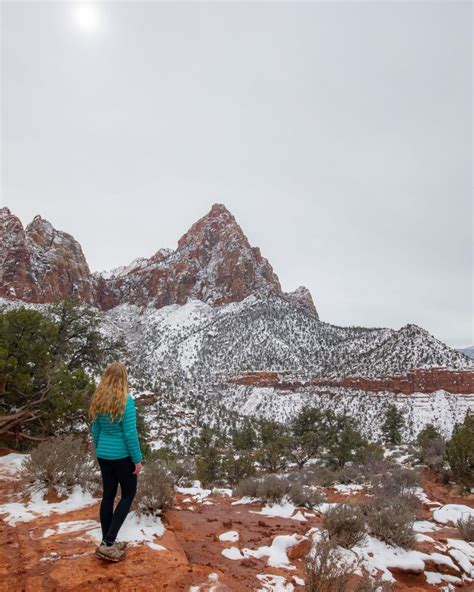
213	262
40	263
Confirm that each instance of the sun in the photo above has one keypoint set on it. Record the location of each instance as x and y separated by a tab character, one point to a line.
87	17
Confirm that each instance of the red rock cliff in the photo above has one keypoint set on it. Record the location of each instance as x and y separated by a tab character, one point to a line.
213	262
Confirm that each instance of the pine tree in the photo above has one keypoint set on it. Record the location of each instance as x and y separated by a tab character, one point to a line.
460	453
427	434
393	425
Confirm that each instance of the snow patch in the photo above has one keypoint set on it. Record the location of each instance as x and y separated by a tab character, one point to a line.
38	506
451	513
230	535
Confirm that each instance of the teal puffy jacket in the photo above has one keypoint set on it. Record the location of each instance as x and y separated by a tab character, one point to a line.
119	438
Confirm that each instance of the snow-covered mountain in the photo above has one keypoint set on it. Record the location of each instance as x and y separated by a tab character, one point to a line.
267	332
201	320
468	351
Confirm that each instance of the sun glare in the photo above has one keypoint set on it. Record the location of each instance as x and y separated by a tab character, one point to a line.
87	17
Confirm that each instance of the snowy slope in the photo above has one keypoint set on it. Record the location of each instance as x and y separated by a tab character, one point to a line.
204	344
188	354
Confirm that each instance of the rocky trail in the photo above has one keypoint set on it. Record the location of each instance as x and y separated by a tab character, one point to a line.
209	541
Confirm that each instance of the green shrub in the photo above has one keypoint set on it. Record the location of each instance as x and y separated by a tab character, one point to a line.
274	453
427	435
235	469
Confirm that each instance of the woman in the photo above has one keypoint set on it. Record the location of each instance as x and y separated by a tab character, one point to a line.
114	430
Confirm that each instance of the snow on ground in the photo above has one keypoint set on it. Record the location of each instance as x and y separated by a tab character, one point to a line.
272	583
276	552
245	500
230	535
283	510
348	489
136	530
72	526
451	513
10	464
424	526
421	495
434	578
212	584
197	493
37	506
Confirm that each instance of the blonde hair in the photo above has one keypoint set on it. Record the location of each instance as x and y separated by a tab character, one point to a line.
111	393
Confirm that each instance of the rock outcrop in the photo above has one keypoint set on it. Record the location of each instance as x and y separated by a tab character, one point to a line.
213	262
40	263
415	381
303	297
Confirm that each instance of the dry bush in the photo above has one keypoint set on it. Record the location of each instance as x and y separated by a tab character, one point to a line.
391	520
345	525
269	488
61	463
155	491
397	481
272	488
319	476
349	474
375	465
326	569
246	487
466	528
433	454
183	471
304	496
373	584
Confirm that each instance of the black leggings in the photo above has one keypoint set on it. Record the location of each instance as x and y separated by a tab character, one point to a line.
113	473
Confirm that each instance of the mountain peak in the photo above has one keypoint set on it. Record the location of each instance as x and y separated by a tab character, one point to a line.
302	296
218	209
216	225
214	262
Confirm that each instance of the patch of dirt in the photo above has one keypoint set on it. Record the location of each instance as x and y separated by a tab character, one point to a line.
30	562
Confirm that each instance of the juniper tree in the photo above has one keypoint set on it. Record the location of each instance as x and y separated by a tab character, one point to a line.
460	453
45	370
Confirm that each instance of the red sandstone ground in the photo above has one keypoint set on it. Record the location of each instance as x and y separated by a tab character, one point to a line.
59	562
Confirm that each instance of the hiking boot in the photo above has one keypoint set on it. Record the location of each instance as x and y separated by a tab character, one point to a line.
122	545
112	553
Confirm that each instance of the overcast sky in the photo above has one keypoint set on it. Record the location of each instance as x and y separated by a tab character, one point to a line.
338	134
